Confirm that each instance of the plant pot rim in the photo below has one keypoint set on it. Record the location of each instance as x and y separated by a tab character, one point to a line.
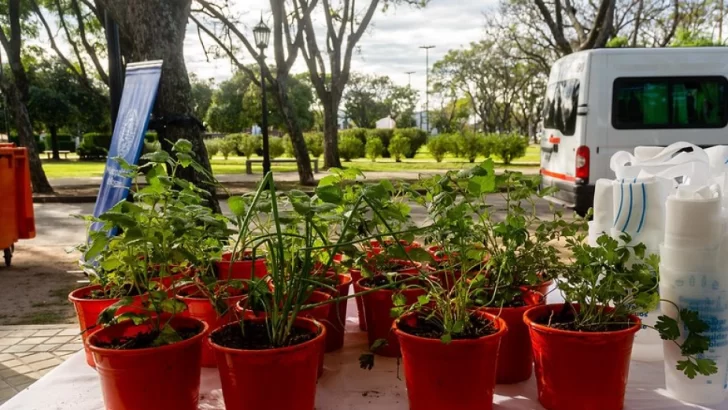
148	350
529	319
275	351
258	257
75	295
191	285
367	288
499	322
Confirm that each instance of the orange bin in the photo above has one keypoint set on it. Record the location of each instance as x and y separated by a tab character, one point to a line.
17	220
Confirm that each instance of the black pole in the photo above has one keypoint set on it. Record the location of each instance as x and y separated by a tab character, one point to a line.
116	70
264	126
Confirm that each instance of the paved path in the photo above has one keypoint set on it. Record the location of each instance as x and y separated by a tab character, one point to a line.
28	352
279	176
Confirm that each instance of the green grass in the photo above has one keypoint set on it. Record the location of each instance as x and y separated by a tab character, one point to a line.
236	165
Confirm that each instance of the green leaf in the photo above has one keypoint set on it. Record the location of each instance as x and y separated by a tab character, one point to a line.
479	185
694	344
446	338
330	193
423	300
458	327
692	321
667	327
399	299
366	361
639	250
167	335
237	206
158	157
379	343
328	180
173	306
182	145
137	318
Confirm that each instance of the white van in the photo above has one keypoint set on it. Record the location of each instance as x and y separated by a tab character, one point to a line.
602	101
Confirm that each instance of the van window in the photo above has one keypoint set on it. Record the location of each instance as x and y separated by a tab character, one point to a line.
675	102
562	99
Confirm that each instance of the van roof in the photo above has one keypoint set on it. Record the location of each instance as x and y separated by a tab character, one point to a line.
643	50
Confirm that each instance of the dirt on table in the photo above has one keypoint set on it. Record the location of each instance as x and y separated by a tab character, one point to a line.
36	286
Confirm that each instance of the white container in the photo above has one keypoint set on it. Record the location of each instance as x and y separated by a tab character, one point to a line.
707	294
693	223
679	259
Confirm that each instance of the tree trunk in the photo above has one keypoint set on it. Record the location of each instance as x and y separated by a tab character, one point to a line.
156	29
331	135
54	143
305	173
25	136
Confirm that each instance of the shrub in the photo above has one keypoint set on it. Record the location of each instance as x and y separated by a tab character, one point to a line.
509	147
276	147
87	151
65	142
96	139
40	144
439	146
374	148
212	146
453	146
385	135
288	146
471	145
350	147
399	147
314	143
359	133
416	137
228	145
248	144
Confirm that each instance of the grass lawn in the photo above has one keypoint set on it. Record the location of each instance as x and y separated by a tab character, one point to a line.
236	165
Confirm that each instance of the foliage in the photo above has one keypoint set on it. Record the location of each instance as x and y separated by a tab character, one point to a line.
314	143
89	152
213	146
374	148
248	144
288	146
612	281
688	38
416	137
369	98
471	145
299	95
168	227
399	147
97	139
202	91
275	147
384	134
228	145
438	146
350	147
509	147
225	113
359	133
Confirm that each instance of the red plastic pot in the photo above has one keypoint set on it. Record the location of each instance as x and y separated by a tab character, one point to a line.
515	363
377	309
355	276
375	248
579	370
459	375
171	281
200	307
335	323
282	378
166	377
320	313
241	269
542	288
88	311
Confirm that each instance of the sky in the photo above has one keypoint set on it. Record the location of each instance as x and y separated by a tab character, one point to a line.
389	47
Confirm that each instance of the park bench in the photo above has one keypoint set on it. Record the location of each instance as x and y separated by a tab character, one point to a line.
65	154
249	164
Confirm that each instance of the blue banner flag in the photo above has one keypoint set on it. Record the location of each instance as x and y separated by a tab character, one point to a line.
137	100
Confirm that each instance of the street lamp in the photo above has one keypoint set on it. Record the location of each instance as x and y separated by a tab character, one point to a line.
261	32
409	77
427	89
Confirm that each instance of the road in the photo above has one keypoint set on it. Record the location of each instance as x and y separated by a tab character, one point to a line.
56	226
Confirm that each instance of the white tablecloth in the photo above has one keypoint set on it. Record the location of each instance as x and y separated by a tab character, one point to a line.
75	386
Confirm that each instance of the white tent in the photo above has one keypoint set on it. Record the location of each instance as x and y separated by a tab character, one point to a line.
387	123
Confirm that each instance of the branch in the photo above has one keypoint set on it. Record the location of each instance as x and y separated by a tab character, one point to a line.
227	50
312	56
675	23
602	21
70	38
353	40
571	12
89	48
54	46
558	35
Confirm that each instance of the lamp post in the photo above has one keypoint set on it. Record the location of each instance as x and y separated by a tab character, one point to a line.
261	32
409	77
427	88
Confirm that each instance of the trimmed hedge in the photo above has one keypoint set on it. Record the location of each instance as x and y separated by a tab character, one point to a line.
417	138
385	135
41	145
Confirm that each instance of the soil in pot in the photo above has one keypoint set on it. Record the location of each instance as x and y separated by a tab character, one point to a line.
244	267
149	378
577	370
515	363
378	306
89	302
256	376
458	375
200	307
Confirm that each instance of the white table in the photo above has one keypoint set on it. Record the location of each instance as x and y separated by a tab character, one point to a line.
75	386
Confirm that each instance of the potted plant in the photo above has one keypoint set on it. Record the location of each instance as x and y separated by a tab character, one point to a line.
582	347
272	361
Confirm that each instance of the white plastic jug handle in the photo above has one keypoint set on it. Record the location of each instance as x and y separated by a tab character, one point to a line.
626	165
